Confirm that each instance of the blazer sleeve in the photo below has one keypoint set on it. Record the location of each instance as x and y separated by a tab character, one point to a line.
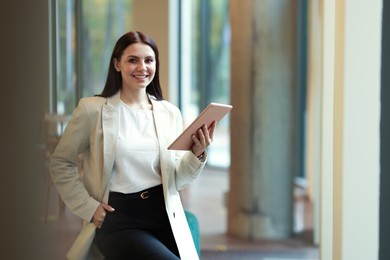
187	165
64	162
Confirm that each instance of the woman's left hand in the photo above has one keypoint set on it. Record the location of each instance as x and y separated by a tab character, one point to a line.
205	139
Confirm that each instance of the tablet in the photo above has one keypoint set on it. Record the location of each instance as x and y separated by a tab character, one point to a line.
213	112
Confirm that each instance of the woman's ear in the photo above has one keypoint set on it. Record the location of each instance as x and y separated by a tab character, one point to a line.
116	64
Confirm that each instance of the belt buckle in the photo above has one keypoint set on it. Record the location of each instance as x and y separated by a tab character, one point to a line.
145	195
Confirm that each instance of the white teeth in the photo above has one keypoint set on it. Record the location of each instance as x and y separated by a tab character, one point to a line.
140	77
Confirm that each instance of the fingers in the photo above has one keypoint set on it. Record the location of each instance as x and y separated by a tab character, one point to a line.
206	134
212	129
107	207
204	139
100	214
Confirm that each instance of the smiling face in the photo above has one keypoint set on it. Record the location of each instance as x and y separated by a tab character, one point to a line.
137	66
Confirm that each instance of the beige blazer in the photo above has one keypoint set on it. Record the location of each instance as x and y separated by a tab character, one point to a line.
93	131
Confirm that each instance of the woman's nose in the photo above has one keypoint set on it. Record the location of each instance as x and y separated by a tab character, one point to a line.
142	66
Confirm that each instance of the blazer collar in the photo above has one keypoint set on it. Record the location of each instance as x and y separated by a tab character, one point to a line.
160	118
113	101
163	128
110	118
111	121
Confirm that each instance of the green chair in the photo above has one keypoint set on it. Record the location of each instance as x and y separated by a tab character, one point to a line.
194	227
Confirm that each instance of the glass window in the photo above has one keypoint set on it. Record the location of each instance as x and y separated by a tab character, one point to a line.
102	23
210	70
65	57
86	33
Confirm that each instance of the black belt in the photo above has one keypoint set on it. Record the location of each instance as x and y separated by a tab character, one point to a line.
144	194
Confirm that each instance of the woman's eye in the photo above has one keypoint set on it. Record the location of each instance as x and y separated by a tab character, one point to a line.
149	61
133	61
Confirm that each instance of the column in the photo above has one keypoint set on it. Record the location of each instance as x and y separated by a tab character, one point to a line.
25	88
327	19
356	143
263	125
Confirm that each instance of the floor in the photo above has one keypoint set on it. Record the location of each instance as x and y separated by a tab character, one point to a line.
205	198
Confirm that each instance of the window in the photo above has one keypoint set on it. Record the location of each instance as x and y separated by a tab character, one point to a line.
207	37
86	32
65	57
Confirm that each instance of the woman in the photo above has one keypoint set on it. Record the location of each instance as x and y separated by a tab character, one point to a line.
128	194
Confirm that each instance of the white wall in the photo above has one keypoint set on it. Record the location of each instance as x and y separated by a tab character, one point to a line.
356	129
347	70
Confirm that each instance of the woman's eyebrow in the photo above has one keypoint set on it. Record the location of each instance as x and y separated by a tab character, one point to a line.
136	57
133	56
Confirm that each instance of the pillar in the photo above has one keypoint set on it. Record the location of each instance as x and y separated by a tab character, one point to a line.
326	9
25	69
356	142
263	129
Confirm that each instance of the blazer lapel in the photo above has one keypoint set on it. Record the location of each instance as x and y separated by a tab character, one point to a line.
110	125
161	120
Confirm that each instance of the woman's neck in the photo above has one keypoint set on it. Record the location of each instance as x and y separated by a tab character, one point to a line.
139	100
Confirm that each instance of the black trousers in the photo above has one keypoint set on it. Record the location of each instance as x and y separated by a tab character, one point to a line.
138	228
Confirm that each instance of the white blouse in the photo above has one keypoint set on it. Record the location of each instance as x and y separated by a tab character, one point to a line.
137	163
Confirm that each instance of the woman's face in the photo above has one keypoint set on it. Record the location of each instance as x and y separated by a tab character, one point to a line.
137	66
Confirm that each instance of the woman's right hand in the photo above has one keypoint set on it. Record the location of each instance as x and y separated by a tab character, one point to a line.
100	214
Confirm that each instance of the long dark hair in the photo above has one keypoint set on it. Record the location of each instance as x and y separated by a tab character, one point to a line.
114	78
